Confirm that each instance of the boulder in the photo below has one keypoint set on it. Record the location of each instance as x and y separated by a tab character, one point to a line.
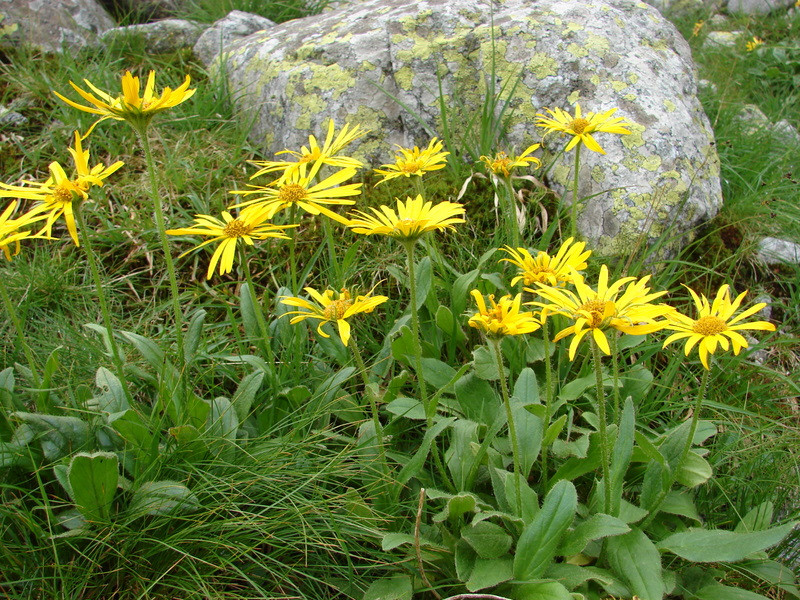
757	7
381	64
159	37
53	26
234	26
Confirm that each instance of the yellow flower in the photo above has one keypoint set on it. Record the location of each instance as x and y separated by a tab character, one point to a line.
332	307
298	189
549	270
412	219
595	311
315	156
414	161
130	106
754	43
716	324
697	28
10	232
57	194
503	317
582	128
248	226
501	164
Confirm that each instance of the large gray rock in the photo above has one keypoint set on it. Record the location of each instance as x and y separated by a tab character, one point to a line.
234	26
757	7
159	37
363	63
53	26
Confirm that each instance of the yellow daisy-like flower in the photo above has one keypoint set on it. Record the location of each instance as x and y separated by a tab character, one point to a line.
130	106
631	311
248	226
717	324
698	27
332	307
315	155
754	43
502	317
554	271
581	128
298	189
501	164
10	232
57	194
414	161
413	218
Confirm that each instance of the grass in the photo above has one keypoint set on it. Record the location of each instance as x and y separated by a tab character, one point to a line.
291	501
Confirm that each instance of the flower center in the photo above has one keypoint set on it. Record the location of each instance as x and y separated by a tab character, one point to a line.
536	273
579	125
336	309
310	156
709	325
596	309
410	167
292	193
62	193
236	229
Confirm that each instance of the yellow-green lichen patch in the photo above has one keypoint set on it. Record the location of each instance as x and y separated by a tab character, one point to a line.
651	163
595	80
561	174
633	78
571	28
634	139
633	161
326	78
669	106
598	174
629	97
312	104
542	65
618	86
573	97
597	44
577	51
404	77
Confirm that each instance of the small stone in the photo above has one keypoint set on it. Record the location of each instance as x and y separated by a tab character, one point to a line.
234	26
757	7
723	39
11	118
775	251
160	37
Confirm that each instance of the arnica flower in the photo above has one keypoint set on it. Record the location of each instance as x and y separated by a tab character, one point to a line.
503	317
543	268
332	307
57	194
698	27
754	43
501	164
299	190
413	218
631	311
717	324
10	232
248	226
314	156
414	161
130	106
582	128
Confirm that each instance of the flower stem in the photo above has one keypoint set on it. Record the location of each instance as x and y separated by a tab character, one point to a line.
334	262
573	224
548	395
292	249
101	297
158	213
373	405
511	212
512	429
265	342
615	373
601	409
23	343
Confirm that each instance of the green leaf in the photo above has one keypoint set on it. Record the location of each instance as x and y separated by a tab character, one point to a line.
539	540
111	398
414	466
635	559
460	291
715	545
680	503
758	518
436	372
623	450
554	429
575	389
162	497
246	393
526	388
93	480
542	590
488	572
457	506
773	573
194	333
696	471
477	399
717	591
398	587
483	359
460	457
596	527
249	318
410	408
59	436
529	435
403	346
487	539
424	272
